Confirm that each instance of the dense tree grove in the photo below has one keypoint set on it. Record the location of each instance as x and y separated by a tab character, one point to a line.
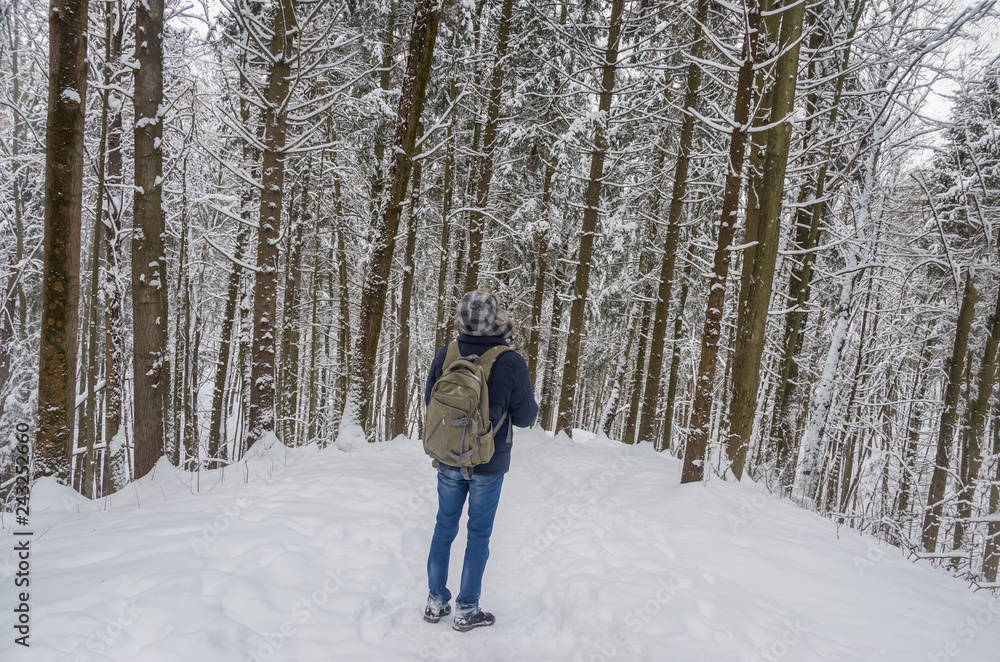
761	236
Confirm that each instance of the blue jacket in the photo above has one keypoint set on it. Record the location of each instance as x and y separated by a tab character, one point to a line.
510	391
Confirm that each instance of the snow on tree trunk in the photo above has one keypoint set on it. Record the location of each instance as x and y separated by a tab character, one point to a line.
696	444
478	215
151	383
949	418
750	333
651	390
261	417
813	448
577	326
423	34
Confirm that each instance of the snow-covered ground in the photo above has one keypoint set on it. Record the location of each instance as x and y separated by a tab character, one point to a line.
597	554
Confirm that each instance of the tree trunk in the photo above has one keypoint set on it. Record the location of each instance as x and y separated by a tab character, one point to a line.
442	324
859	380
750	338
974	428
764	86
114	333
313	375
991	555
288	384
426	15
806	486
385	71
653	375
478	216
401	382
697	440
798	283
577	323
344	334
913	424
151	383
541	269
261	418
61	265
182	328
550	394
191	434
675	362
635	380
949	417
215	440
618	383
92	429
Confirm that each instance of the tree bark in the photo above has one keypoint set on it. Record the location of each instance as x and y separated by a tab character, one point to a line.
478	216
675	362
402	379
541	269
344	335
974	428
814	448
750	335
215	441
93	427
61	263
288	385
618	383
647	423
635	379
949	417
991	555
313	374
913	424
697	441
859	381
182	338
798	283
577	324
217	445
426	15
151	383
550	392
385	71
114	333
442	325
261	417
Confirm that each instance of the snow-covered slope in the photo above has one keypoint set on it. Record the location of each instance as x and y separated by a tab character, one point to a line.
597	554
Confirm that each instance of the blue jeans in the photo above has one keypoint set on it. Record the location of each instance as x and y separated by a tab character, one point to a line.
484	495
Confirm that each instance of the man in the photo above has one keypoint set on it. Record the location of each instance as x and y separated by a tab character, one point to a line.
483	325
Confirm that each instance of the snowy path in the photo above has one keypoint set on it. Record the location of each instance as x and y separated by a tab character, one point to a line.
597	554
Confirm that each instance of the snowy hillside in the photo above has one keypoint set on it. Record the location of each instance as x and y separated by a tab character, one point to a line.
597	554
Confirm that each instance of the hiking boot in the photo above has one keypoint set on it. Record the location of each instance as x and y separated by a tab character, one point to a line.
478	620
432	615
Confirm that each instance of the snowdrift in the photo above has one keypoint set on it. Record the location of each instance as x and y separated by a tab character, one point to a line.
598	554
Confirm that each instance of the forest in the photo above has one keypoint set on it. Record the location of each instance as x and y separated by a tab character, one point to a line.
762	235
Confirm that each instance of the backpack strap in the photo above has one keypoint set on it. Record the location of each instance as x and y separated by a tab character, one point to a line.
450	356
491	355
486	361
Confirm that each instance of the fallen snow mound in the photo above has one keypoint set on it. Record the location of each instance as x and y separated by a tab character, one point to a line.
597	554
